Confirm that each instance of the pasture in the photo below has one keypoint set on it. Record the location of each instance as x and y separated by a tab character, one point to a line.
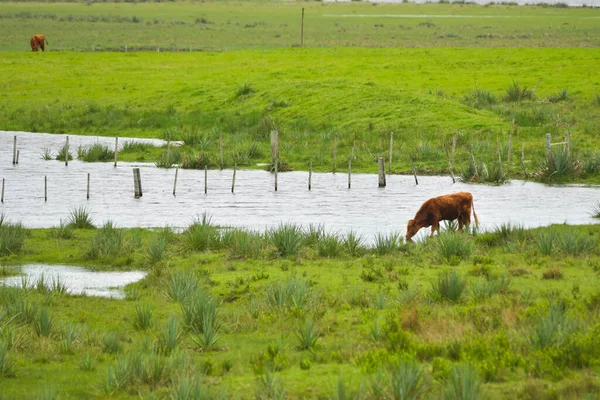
302	314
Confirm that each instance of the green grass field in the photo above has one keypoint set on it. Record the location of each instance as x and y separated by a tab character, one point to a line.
519	308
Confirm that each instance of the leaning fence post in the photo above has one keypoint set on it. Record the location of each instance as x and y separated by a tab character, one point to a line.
567	143
349	172
18	152
381	172
2	198
334	152
175	182
67	152
450	164
413	169
116	150
45	188
15	150
310	174
233	179
276	163
548	139
391	147
523	159
137	183
88	186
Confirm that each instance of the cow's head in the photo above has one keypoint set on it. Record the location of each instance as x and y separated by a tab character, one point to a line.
411	230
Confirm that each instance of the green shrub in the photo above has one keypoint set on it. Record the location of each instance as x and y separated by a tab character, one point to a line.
307	335
80	218
107	243
453	246
288	239
201	235
557	165
448	287
591	164
142	317
12	237
463	384
516	93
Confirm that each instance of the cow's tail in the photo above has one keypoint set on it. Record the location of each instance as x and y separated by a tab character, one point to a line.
474	213
46	40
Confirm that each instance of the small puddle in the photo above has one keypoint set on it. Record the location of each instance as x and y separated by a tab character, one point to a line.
77	280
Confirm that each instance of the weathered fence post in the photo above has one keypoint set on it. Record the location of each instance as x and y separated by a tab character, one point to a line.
233	179
175	181
18	152
413	169
205	179
67	152
473	163
88	186
15	150
450	165
499	159
274	146
349	172
221	150
137	183
567	143
381	172
2	198
523	159
276	164
453	146
302	30
125	48
45	188
116	150
334	152
168	149
548	139
509	151
310	174
391	147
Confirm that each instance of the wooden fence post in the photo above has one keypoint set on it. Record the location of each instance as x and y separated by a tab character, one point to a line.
67	152
116	150
310	174
523	159
499	159
450	165
349	172
508	155
413	169
334	152
88	186
175	181
302	30
274	146
381	172
45	188
221	150
15	150
2	197
233	179
548	139
137	183
567	141
276	164
18	152
453	146
391	147
205	179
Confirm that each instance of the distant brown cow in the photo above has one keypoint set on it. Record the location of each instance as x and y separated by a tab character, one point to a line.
448	207
37	42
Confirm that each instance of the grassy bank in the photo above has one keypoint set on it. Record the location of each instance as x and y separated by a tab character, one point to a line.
234	25
300	313
315	97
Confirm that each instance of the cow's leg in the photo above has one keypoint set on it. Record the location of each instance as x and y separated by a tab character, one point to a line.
460	224
435	227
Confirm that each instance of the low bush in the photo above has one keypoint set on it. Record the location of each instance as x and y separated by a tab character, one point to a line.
448	287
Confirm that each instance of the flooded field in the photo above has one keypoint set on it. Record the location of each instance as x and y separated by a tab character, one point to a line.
364	208
76	280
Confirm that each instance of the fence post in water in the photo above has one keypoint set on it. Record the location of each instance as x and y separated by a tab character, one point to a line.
334	152
548	139
413	170
45	188
88	186
116	150
2	198
381	172
18	152
274	146
233	179
15	150
450	165
168	149
349	172
523	159
67	152
175	182
205	179
137	183
310	174
221	150
391	147
276	163
473	163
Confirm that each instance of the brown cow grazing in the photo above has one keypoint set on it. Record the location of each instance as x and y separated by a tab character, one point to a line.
37	42
448	207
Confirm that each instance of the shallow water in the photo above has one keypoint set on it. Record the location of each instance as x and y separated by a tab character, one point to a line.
77	280
364	208
572	3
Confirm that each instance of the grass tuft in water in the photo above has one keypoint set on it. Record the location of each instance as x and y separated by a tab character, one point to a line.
95	153
80	218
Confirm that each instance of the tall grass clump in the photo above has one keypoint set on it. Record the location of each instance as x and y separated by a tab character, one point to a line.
509	232
63	153
557	165
288	239
111	343
354	244
107	243
591	164
545	240
270	388
169	337
200	314
188	388
46	154
553	328
574	244
201	235
330	246
43	323
7	363
480	98
12	237
515	93
454	246
62	231
307	335
80	218
294	295
346	390
131	146
95	153
562	95
70	335
463	384
157	248
142	317
242	244
406	381
387	244
448	287
181	285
